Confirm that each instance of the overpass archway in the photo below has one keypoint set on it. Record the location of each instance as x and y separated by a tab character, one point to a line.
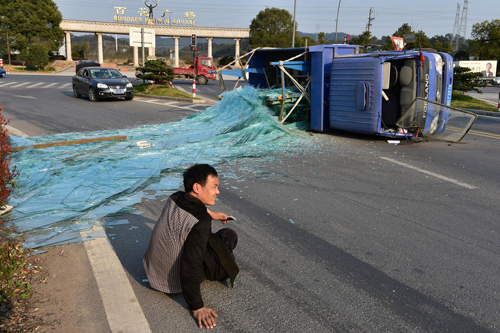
112	28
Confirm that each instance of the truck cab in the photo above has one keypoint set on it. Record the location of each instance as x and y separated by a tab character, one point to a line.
202	70
371	93
397	94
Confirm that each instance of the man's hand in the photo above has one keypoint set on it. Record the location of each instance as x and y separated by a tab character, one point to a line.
205	317
218	216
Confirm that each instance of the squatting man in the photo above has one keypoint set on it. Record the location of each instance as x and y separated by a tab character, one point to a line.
183	251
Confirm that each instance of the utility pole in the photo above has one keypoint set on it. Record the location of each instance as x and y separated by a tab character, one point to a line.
370	19
337	22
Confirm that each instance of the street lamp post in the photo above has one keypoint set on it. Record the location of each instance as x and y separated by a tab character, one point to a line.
337	22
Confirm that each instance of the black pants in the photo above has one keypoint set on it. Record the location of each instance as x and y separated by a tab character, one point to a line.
212	268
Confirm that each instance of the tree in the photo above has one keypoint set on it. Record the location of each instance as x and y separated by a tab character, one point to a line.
321	38
422	41
485	40
465	80
364	39
272	27
303	41
156	70
23	22
38	55
462	55
442	47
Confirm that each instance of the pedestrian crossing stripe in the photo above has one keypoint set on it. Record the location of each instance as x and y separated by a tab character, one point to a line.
20	84
35	85
30	85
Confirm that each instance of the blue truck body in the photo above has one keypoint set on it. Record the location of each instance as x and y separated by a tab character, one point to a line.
364	93
397	94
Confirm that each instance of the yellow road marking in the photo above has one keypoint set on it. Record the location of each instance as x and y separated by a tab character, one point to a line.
474	132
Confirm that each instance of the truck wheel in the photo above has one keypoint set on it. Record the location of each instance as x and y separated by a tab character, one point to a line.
202	80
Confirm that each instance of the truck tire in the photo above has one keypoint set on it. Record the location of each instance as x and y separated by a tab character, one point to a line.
202	80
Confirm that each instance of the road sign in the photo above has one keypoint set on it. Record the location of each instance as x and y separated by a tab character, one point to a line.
149	37
398	43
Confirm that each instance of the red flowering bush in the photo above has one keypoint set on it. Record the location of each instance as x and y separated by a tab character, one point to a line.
7	175
15	272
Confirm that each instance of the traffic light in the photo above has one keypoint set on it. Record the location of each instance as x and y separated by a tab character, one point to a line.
193	40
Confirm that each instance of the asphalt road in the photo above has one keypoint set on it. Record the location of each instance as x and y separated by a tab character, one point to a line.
44	104
490	94
353	234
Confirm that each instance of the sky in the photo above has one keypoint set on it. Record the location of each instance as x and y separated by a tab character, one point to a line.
434	17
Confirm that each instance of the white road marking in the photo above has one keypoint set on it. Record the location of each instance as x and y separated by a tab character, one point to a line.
149	101
36	84
174	104
7	84
64	85
122	308
20	84
430	173
50	85
18	96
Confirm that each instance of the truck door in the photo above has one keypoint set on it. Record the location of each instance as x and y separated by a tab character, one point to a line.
206	64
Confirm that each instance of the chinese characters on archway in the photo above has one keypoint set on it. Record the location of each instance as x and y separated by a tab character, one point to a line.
144	15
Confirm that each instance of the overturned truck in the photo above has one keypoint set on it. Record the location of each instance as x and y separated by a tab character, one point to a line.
397	94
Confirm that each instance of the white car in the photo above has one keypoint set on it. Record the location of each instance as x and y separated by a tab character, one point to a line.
496	81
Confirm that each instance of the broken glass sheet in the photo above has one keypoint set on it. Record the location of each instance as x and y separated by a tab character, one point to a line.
63	190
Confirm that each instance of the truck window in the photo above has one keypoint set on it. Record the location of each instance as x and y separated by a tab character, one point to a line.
206	63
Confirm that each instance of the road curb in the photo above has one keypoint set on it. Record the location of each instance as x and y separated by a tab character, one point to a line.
484	113
14	131
123	311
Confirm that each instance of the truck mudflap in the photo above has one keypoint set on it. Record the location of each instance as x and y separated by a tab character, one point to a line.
442	122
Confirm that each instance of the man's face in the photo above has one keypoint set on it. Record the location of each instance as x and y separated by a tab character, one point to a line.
208	193
488	67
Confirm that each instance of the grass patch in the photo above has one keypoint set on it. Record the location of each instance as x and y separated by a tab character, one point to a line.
161	90
28	69
462	101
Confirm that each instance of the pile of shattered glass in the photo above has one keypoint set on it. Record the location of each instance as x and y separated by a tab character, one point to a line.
67	189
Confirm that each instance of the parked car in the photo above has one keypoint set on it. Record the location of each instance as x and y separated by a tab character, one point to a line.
496	81
86	63
3	73
102	82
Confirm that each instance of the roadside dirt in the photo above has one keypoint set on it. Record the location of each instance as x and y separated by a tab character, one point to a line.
66	295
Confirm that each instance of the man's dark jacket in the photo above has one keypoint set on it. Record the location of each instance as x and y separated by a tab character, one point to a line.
180	240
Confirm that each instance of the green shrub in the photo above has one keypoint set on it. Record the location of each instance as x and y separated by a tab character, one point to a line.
49	69
156	71
38	55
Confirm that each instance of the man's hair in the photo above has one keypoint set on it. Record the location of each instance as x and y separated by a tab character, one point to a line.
488	64
198	173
